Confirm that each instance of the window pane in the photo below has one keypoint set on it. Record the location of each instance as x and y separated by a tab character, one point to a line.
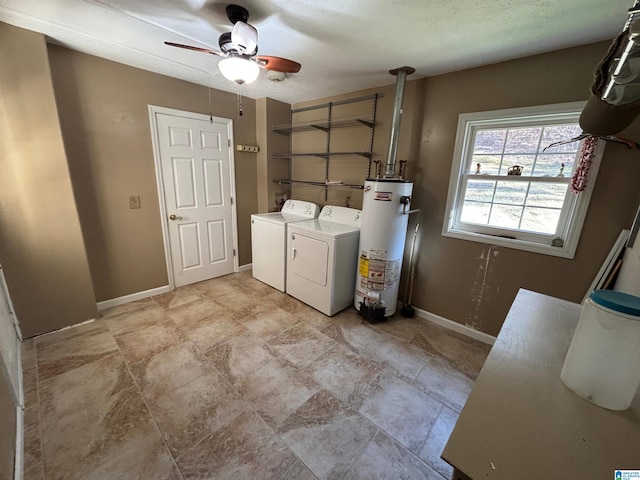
557	133
505	216
550	165
525	161
489	141
511	193
489	164
481	191
475	212
526	209
540	220
547	195
523	140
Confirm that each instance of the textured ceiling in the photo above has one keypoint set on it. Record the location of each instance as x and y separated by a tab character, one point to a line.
343	45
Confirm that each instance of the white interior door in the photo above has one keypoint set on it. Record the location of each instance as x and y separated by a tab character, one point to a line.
197	183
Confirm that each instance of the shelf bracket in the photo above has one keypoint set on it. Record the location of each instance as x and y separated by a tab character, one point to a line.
364	122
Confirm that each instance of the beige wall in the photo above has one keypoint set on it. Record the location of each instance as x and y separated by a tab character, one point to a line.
270	112
41	246
105	122
454	278
352	169
7	425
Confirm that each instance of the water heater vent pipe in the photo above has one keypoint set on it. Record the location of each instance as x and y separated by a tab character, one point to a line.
401	73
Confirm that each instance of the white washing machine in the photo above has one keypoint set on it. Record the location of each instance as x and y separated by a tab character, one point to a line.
269	240
322	256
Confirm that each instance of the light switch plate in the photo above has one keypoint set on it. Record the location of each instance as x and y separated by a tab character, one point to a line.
134	201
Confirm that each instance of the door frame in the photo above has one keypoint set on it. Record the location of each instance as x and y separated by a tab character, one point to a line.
155	141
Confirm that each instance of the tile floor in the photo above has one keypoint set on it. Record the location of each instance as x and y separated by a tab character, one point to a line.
231	379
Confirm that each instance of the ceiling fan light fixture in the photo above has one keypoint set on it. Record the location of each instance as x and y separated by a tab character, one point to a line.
239	70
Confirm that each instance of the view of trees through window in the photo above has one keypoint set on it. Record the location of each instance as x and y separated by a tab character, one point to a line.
519	202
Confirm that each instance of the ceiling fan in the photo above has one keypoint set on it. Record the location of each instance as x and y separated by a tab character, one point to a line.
239	47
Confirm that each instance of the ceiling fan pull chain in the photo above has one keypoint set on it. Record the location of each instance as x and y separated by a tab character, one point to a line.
239	100
210	111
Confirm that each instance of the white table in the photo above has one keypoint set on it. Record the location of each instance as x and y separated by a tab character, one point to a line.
521	422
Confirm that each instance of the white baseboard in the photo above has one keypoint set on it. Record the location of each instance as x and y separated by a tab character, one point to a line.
455	326
133	297
20	392
18	469
146	294
19	459
66	328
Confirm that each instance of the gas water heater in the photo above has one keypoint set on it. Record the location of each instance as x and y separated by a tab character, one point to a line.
383	231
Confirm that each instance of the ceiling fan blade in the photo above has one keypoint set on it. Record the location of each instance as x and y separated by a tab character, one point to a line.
196	49
278	64
245	37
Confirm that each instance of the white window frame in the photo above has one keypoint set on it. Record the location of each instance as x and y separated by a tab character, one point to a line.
576	204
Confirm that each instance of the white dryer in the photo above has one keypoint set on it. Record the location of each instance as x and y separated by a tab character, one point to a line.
322	257
269	240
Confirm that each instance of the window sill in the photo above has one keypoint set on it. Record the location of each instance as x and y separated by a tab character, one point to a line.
567	251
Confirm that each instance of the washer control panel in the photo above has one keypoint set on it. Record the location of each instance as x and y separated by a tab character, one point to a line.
300	208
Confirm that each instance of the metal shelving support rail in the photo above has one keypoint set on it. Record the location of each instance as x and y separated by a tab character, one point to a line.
286	181
326	126
289	128
322	154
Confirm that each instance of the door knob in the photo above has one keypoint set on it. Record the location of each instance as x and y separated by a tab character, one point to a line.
173	216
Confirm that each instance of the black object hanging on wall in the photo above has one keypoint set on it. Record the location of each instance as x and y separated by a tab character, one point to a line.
615	93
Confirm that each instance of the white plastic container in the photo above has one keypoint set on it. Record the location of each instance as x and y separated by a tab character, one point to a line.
603	361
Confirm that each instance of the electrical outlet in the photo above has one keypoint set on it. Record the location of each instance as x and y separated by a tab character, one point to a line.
134	201
248	148
279	199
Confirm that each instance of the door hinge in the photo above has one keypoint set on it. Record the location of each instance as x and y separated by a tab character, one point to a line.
231	200
234	252
228	142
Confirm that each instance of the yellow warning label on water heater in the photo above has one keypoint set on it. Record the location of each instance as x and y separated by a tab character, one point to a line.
364	265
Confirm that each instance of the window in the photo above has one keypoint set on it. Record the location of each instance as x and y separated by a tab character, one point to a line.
506	190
